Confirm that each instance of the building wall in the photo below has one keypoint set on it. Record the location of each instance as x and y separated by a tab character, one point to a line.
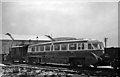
0	47
0	58
6	44
113	52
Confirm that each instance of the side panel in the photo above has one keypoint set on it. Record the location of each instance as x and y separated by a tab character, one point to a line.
65	57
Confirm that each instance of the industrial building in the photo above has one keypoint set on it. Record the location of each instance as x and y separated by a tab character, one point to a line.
6	42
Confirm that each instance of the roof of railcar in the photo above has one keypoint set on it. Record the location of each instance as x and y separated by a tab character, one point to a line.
66	41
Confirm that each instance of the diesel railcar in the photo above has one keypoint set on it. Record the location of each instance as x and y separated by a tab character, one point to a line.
74	52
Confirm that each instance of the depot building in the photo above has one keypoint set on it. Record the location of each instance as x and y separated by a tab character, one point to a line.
6	42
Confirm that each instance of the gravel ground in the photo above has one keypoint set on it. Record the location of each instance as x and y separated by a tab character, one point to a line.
25	72
1	71
13	71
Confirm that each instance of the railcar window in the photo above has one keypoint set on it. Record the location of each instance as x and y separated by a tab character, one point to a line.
90	46
33	48
57	47
95	46
41	48
79	46
51	47
47	47
72	46
37	48
29	49
83	46
101	46
64	46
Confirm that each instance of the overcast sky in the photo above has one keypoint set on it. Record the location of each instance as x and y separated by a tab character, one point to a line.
95	20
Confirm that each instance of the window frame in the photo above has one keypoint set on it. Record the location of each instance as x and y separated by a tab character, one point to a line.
37	48
33	49
66	45
41	48
79	47
59	45
73	44
46	47
91	46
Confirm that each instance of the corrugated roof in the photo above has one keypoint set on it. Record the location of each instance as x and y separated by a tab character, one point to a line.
23	37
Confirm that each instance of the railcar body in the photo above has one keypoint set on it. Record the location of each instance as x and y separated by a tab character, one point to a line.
74	52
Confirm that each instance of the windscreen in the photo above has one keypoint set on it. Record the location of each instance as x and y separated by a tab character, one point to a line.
95	46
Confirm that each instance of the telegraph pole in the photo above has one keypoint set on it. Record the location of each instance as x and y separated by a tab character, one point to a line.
37	38
105	40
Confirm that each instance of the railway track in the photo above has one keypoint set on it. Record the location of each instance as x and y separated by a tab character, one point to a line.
88	72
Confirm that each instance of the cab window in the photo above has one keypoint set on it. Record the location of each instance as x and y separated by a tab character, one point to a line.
95	46
101	46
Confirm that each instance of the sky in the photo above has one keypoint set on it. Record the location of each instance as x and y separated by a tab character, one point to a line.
95	20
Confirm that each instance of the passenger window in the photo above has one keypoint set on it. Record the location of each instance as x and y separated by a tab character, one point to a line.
41	48
83	46
51	47
33	48
79	46
95	46
90	46
57	47
37	48
47	47
72	46
64	46
29	49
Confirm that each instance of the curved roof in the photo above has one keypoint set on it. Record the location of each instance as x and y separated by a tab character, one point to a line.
67	41
64	38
